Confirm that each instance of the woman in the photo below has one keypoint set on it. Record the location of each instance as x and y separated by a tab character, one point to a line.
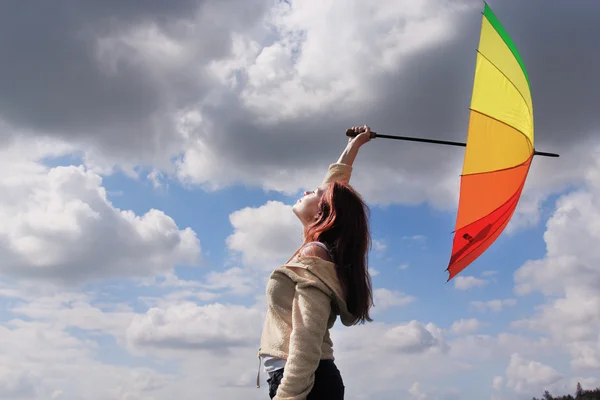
326	277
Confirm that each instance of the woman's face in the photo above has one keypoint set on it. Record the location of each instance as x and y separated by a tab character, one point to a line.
306	208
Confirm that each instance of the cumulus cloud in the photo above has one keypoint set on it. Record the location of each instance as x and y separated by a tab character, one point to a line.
569	275
468	282
187	327
279	83
379	245
17	383
123	72
524	376
75	310
58	225
234	280
415	337
146	76
496	305
385	298
138	88
464	326
266	235
497	383
44	357
421	352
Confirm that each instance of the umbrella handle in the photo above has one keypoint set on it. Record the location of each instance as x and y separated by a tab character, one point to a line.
351	133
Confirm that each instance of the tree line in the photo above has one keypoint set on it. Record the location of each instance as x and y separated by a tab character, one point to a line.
580	394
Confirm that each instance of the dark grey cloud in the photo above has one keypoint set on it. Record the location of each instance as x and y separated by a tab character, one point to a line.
52	80
429	96
556	41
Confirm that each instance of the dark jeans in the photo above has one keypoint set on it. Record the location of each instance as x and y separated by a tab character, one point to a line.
328	382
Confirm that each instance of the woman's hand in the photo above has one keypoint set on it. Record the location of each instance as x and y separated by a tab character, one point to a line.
364	135
354	143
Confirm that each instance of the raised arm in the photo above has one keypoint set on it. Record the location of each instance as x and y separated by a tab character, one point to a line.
349	154
342	169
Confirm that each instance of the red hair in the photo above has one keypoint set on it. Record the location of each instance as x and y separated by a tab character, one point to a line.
342	224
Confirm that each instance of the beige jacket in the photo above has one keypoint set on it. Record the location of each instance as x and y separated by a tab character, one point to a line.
304	298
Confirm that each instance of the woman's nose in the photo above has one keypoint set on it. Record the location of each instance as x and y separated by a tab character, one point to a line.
307	192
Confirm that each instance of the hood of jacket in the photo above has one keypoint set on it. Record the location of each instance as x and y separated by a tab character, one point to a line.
314	271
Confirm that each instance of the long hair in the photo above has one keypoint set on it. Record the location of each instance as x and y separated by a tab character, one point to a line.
343	224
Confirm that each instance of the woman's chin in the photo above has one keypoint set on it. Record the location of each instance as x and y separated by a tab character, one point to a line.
295	209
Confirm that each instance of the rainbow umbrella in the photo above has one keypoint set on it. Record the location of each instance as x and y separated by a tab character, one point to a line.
499	146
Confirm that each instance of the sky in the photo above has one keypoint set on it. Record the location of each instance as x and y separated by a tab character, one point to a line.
150	153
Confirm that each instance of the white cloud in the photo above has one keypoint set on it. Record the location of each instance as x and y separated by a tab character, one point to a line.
196	337
17	383
157	179
76	310
385	299
177	297
489	273
468	282
227	109
496	305
569	275
236	280
546	177
46	354
187	327
465	326
416	393
415	237
526	376
289	78
59	225
38	341
478	348
379	245
272	84
415	337
419	352
40	359
265	236
498	382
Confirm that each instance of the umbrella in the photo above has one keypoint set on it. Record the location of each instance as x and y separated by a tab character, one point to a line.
499	147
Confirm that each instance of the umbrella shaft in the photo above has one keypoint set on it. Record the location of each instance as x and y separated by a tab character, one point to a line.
351	133
414	139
